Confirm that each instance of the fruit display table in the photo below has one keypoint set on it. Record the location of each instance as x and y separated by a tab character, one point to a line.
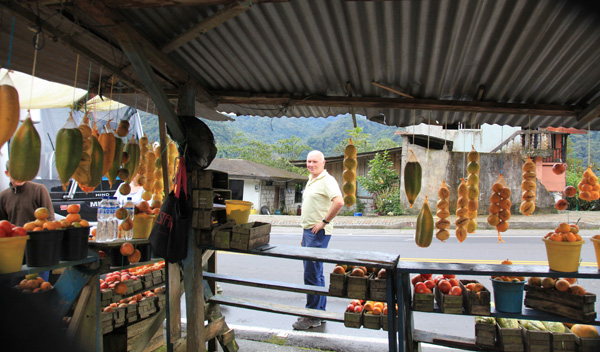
409	338
363	258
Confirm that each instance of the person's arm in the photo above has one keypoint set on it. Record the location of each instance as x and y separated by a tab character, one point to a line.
334	209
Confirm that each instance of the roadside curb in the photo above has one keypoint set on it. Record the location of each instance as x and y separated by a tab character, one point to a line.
403	225
310	340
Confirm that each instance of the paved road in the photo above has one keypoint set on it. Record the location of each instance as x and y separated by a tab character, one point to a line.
521	246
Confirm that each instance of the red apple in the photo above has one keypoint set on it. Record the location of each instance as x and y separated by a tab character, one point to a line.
350	308
358	309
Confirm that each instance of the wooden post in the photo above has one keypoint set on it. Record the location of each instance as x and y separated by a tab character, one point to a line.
194	296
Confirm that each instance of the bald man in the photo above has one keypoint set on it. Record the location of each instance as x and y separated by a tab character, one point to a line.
321	202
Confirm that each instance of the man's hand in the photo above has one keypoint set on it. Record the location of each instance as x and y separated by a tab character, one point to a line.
318	227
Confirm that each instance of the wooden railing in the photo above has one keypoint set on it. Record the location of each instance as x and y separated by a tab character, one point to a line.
533	143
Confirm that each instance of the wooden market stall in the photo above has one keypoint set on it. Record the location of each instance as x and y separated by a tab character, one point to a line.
459	64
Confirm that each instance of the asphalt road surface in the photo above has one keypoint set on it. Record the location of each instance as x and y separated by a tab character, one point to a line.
521	247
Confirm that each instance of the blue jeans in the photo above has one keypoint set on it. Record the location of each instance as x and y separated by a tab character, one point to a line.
313	271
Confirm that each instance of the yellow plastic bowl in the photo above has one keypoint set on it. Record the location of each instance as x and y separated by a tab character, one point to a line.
563	256
12	250
238	210
142	225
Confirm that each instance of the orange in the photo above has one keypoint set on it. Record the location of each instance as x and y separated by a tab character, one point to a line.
135	257
556	237
586	187
41	213
368	307
38	229
45	286
146	195
585	195
583	330
29	226
84	223
571	237
563	228
144	206
578	236
127	249
71	218
49	225
377	310
73	208
378	305
39	222
562	285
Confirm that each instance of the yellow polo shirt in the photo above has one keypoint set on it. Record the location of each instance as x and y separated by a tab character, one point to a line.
317	199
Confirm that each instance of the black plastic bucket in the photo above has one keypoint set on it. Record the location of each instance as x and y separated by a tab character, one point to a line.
74	243
43	247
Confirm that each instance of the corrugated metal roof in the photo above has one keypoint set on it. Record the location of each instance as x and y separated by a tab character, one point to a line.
526	51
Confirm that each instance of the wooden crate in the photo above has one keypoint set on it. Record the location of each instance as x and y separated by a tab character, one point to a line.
353	320
423	302
206	179
447	303
485	336
384	322
510	339
204	238
106	322
476	303
357	287
202	199
377	289
576	307
537	341
588	344
201	219
372	321
337	284
563	342
250	235
222	239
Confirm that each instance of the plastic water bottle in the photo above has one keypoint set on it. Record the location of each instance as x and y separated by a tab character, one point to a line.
114	205
101	226
130	209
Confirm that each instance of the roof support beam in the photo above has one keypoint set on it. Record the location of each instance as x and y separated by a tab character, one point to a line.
172	3
165	65
400	103
136	55
591	112
228	12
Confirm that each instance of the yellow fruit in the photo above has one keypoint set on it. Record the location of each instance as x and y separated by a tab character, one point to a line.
349	200
109	143
424	230
9	109
146	195
41	213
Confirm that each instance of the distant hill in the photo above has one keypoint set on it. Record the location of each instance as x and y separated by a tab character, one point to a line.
318	133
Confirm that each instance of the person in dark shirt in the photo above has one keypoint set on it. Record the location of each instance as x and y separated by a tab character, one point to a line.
20	200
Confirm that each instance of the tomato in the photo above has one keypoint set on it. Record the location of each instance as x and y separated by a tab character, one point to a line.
426	276
438	278
6	227
449	276
416	279
455	291
19	231
2	234
420	287
453	282
445	286
430	284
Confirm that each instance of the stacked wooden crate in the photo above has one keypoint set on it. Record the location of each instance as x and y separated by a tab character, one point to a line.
206	186
251	235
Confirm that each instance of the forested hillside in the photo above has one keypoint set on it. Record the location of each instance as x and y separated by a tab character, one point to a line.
316	133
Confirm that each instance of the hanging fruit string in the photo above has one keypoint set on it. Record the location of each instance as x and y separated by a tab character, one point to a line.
99	87
112	84
88	87
501	141
445	130
75	82
414	126
428	134
589	146
464	153
10	43
529	131
35	52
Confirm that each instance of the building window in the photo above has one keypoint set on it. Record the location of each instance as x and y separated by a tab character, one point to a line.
237	189
298	194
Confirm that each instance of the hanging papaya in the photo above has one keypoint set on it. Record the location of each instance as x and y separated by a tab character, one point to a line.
24	153
424	230
116	163
82	174
97	164
412	178
9	109
132	165
108	142
349	174
69	146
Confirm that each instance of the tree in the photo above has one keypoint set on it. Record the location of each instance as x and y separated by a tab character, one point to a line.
383	182
275	155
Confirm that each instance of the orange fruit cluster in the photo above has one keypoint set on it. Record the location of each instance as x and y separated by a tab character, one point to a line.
589	188
42	223
500	208
33	284
564	233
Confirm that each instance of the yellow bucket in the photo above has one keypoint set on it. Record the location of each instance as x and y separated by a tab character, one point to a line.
596	242
12	250
142	225
563	256
238	210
